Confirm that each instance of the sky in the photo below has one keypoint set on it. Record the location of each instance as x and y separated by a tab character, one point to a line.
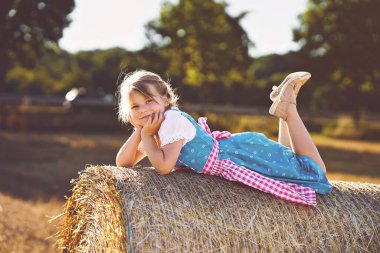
99	24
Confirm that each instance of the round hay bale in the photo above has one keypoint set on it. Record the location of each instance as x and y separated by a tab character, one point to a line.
136	210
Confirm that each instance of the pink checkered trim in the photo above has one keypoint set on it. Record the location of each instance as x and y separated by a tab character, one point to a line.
233	172
217	135
203	122
286	191
207	169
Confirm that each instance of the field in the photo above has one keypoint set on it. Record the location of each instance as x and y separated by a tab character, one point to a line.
36	169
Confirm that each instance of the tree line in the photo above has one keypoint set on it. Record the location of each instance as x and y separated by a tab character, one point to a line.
204	52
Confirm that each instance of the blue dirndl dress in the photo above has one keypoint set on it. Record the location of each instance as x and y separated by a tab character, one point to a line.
255	152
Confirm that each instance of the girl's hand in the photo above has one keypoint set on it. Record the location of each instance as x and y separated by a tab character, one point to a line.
153	124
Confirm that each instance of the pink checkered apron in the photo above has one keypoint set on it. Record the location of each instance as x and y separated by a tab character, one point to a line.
233	172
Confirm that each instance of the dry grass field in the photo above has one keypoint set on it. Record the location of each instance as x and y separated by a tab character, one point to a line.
36	169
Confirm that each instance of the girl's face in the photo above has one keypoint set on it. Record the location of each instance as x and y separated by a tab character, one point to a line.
141	107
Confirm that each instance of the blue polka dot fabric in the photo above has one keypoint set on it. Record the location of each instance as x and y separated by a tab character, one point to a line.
256	152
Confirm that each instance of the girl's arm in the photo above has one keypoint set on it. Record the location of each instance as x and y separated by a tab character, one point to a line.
163	159
128	154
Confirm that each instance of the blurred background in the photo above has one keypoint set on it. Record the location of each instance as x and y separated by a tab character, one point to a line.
61	63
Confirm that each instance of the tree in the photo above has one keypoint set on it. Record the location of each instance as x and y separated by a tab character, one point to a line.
270	70
201	43
101	69
27	27
342	38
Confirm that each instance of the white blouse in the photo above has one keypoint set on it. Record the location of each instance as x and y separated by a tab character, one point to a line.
174	127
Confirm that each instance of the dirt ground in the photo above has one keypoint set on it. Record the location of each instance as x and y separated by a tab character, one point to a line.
36	169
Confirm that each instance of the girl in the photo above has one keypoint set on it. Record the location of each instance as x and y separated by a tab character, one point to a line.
291	169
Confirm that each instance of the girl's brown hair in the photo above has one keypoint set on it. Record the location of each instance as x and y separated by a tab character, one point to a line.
140	81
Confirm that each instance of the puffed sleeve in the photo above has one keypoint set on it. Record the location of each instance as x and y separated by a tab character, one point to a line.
176	127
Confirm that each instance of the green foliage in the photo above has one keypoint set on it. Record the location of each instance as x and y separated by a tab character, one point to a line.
235	123
100	69
31	81
201	43
269	70
27	27
201	49
347	128
43	77
341	40
265	66
342	128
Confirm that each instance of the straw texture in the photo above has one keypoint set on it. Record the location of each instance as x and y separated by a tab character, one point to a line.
136	210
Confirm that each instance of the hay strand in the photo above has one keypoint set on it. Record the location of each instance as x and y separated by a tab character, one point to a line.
136	210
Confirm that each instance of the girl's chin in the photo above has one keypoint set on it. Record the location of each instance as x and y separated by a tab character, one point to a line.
142	121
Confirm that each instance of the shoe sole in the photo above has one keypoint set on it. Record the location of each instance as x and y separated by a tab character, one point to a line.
273	107
304	78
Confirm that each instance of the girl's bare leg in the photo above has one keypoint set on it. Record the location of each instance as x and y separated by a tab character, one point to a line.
300	137
283	134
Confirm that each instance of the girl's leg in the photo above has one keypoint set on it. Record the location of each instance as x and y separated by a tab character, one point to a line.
284	107
300	137
283	134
